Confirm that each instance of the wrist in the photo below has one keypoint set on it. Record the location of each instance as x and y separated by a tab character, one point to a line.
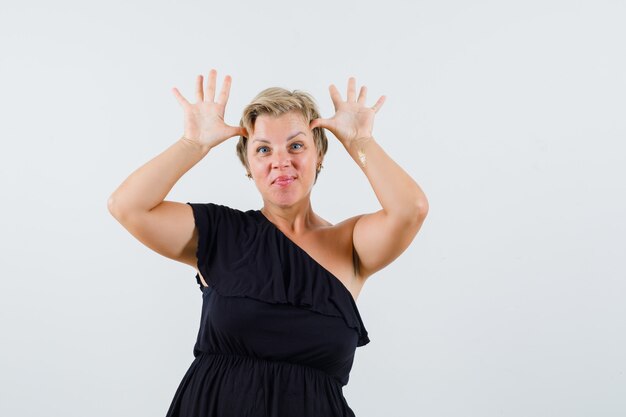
357	148
359	142
194	145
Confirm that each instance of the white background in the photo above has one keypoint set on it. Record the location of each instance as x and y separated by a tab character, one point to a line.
509	114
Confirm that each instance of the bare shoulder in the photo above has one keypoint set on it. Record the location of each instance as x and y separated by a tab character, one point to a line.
341	231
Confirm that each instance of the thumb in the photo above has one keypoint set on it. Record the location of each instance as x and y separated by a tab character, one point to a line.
318	123
238	131
181	100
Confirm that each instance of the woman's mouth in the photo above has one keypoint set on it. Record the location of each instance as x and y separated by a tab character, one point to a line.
284	181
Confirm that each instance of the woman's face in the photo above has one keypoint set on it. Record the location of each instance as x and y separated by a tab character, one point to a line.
283	158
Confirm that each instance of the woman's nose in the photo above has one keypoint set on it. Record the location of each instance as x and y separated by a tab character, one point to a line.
282	163
281	159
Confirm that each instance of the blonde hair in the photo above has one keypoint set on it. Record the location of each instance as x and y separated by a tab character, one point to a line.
276	101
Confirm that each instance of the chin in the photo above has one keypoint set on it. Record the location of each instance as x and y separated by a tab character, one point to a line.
284	199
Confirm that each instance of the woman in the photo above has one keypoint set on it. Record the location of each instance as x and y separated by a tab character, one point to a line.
279	325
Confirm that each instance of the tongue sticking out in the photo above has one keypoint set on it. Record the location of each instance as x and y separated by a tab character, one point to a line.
284	181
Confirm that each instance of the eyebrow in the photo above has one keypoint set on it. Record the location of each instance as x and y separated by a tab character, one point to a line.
267	141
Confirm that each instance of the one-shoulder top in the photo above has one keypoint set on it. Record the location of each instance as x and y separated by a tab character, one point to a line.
278	332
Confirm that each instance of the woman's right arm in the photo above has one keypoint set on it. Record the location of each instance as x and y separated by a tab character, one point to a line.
138	204
167	227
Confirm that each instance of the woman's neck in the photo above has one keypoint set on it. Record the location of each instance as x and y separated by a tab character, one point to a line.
294	220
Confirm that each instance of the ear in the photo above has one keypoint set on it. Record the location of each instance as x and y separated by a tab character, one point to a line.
319	163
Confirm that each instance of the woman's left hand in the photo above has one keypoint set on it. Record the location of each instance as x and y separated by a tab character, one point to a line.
353	119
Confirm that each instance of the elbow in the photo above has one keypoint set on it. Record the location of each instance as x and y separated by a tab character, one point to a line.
113	207
410	214
419	207
422	208
419	213
111	204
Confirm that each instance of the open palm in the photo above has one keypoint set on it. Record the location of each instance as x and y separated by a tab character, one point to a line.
204	119
352	119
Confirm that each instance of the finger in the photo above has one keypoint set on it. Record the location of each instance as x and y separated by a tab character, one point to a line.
316	123
182	100
199	93
351	89
225	92
210	88
322	123
335	96
237	131
379	103
362	95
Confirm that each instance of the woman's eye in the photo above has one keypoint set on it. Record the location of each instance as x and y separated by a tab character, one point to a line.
260	148
297	144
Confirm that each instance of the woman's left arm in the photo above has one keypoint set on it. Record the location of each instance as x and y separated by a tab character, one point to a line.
381	237
378	237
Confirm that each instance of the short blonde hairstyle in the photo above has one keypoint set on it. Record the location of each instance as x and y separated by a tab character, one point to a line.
276	101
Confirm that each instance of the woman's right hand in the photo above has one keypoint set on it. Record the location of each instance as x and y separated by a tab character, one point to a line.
204	120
